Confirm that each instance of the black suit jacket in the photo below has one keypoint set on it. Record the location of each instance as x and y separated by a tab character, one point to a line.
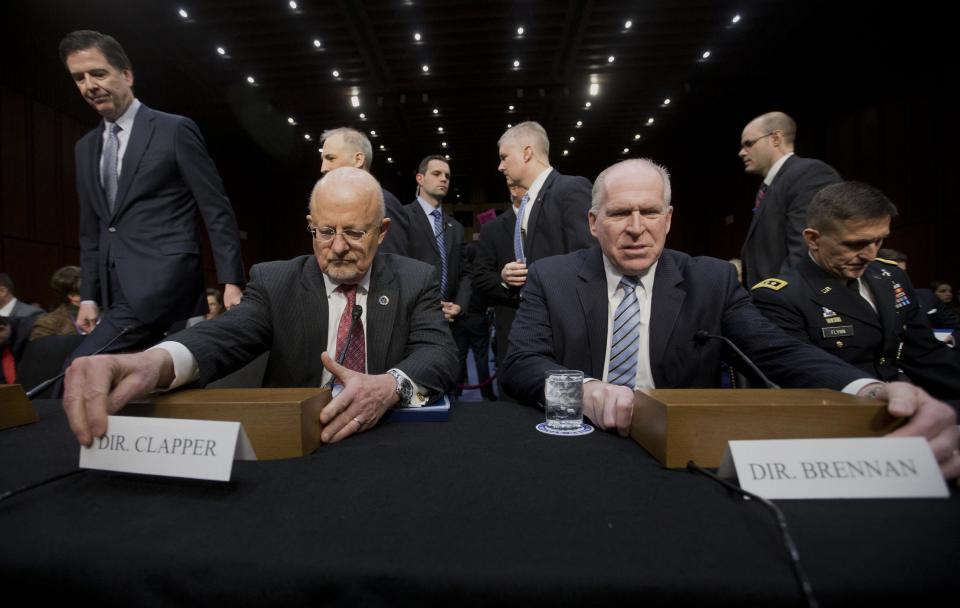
558	220
152	236
562	323
818	308
774	240
494	251
396	239
421	244
284	310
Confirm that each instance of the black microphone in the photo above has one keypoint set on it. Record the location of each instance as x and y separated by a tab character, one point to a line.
702	336
46	383
355	318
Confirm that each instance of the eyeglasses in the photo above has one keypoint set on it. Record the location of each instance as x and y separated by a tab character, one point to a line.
748	143
327	234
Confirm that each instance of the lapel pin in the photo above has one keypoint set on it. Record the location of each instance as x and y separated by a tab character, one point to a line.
383	301
825	289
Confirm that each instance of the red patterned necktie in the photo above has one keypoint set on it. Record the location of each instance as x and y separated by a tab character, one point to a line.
356	357
762	192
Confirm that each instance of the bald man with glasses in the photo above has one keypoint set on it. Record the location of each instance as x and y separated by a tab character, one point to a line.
774	240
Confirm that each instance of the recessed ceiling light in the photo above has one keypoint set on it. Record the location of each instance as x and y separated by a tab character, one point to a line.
650	120
516	63
221	50
520	30
628	24
579	123
611	59
425	68
706	55
626	150
736	19
509	126
317	43
291	120
320	150
292	4
307	137
383	147
183	14
373	133
417	36
439	129
436	111
336	73
363	116
594	89
587	105
510	108
389	159
566	152
636	136
443	144
447	156
572	138
251	80
666	101
355	101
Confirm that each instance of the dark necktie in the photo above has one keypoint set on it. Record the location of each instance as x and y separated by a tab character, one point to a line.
442	248
356	356
762	192
111	157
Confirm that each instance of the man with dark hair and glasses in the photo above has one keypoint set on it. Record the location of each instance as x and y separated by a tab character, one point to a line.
774	240
368	321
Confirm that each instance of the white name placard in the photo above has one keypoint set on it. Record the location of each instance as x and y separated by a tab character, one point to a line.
862	467
197	449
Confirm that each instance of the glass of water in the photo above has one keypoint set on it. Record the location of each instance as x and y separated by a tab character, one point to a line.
563	399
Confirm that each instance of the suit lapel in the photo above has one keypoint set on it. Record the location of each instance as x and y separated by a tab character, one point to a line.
592	293
424	225
314	313
769	197
536	211
832	293
665	304
139	140
882	295
383	302
447	235
94	150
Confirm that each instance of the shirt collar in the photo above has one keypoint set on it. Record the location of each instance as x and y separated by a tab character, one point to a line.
362	287
776	168
126	119
428	208
613	277
7	310
534	188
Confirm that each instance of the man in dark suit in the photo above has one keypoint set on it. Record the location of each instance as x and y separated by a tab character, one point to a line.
378	314
858	307
627	314
436	238
346	147
142	175
494	252
10	306
774	240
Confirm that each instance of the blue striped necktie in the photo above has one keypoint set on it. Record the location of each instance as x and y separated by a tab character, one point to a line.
442	247
626	337
517	231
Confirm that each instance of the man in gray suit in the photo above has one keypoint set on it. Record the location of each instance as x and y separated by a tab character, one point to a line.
379	315
10	306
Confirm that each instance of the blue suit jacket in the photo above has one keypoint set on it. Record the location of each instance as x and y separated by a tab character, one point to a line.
562	323
152	236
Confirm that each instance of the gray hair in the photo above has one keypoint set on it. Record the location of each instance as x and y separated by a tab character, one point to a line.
355	139
599	186
528	132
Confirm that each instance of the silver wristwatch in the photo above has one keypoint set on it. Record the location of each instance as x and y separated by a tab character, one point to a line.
404	387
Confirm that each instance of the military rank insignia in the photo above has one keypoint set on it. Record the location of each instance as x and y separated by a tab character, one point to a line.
900	296
774	284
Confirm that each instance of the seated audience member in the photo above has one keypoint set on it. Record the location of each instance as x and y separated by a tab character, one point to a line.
214	307
13	340
10	306
627	314
841	298
938	313
379	313
61	321
944	292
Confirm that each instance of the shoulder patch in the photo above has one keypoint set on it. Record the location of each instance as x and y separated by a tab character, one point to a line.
774	284
886	261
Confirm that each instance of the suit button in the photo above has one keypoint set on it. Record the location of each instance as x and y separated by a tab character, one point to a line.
111	229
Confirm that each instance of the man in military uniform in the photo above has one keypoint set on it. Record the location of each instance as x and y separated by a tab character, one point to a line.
861	308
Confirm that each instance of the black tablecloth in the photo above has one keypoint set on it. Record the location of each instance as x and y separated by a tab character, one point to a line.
476	510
